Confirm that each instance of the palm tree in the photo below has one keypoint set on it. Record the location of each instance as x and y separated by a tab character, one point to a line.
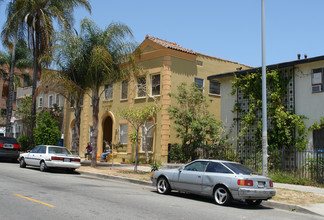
39	16
71	78
22	60
13	29
105	50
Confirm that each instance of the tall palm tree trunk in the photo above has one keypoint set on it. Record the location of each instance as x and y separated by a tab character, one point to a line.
34	86
10	94
95	113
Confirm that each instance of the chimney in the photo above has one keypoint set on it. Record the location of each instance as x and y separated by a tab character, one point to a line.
305	56
298	56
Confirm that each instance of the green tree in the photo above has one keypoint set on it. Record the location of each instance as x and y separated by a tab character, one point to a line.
104	52
139	118
194	124
23	112
46	130
287	130
39	16
70	80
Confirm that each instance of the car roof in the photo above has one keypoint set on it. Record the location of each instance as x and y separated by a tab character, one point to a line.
214	160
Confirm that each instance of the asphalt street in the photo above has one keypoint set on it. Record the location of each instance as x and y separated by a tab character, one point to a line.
31	194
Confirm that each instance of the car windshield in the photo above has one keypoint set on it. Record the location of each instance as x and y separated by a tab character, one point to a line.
8	140
240	169
58	150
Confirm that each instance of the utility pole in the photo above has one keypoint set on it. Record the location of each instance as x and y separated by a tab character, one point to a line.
264	99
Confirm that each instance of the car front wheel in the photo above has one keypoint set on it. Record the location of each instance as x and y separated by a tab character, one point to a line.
163	186
43	166
222	196
253	202
22	163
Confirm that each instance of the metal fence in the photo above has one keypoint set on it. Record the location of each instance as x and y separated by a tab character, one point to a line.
301	164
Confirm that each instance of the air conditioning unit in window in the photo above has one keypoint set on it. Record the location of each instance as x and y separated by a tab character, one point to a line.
317	88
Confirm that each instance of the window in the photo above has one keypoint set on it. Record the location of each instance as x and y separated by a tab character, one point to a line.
35	150
50	101
42	150
149	140
123	133
217	168
141	86
72	101
155	81
214	87
15	96
40	102
90	133
199	166
317	80
57	100
26	80
108	93
318	137
124	89
200	83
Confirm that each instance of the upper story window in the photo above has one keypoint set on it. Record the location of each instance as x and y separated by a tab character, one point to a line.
108	93
71	101
141	86
317	80
26	80
200	83
155	81
50	101
124	90
214	87
40	102
57	100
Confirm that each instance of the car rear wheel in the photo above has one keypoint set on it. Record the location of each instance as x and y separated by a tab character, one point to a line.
222	196
163	186
253	202
22	163
43	166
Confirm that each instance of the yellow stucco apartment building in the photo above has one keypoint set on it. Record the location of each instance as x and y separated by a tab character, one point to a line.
166	65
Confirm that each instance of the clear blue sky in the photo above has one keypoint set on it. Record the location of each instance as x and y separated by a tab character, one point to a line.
229	29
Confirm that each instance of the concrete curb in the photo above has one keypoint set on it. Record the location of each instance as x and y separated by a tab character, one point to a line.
269	204
288	207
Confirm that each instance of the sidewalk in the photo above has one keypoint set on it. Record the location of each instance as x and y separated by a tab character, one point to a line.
315	209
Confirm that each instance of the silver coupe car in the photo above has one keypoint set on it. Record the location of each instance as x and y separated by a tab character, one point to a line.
223	180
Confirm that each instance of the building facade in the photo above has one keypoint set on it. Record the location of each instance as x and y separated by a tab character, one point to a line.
304	96
165	66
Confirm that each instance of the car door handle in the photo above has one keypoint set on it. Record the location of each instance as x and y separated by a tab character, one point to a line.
199	176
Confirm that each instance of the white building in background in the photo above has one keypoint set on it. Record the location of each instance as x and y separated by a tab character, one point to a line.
305	95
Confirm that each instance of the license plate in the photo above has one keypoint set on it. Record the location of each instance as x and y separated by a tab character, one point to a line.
261	183
8	146
66	160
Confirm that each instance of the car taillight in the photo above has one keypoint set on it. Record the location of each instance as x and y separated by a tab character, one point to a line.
16	146
75	160
245	182
271	183
57	158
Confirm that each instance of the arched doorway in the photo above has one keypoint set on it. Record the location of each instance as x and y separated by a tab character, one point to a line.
107	130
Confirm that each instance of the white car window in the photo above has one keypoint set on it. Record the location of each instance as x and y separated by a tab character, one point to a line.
196	166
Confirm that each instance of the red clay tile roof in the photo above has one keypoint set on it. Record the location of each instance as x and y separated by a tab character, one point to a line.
175	46
169	44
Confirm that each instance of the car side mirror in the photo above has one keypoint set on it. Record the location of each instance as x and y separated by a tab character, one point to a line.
28	151
180	169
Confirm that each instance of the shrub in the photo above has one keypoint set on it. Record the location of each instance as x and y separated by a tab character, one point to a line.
24	142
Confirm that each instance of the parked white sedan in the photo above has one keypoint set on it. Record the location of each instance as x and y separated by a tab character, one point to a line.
48	156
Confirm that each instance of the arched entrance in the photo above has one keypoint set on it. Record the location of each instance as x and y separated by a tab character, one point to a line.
107	130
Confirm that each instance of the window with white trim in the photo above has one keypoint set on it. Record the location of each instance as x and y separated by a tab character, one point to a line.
200	83
124	90
50	101
108	93
317	80
149	140
214	87
123	133
57	100
141	86
40	102
155	84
